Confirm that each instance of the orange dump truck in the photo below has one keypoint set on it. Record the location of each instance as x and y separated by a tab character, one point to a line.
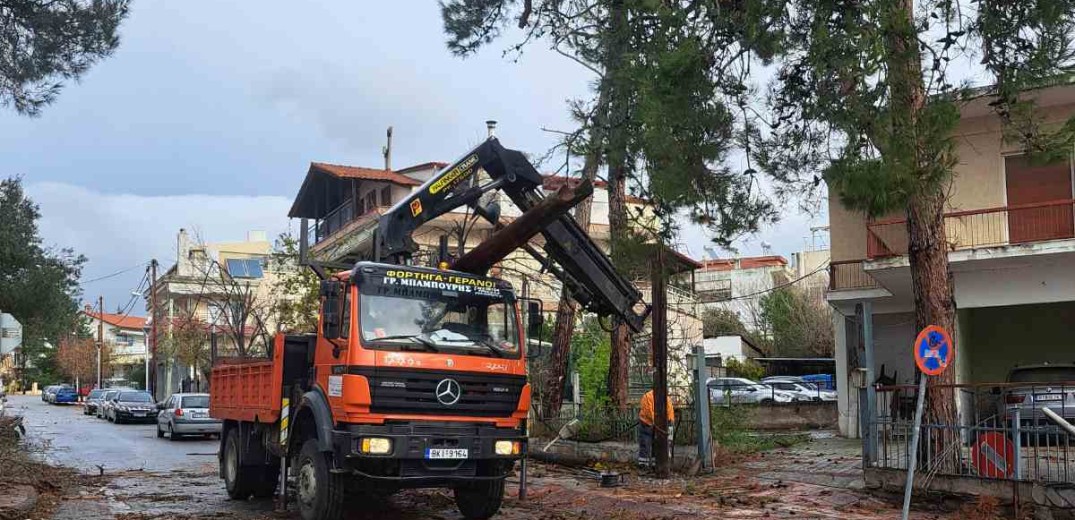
415	378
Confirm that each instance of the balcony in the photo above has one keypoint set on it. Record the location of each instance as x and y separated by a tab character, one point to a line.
993	227
848	275
341	233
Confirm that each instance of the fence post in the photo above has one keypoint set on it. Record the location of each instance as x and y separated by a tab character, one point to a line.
701	408
1017	441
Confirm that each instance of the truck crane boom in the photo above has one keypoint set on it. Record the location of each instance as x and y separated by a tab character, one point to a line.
569	253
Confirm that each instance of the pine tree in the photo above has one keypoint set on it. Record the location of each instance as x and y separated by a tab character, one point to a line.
43	43
638	50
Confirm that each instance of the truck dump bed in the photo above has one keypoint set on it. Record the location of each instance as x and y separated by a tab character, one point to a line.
245	389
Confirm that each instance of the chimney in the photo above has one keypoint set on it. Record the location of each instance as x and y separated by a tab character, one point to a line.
490	125
387	151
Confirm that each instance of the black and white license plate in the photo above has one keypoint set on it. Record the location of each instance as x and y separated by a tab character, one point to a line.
199	415
139	414
1049	397
447	453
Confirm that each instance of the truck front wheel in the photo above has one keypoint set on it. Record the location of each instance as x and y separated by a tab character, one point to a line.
320	492
480	500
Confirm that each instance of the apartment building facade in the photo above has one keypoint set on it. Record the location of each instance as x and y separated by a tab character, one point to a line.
737	284
1011	235
225	290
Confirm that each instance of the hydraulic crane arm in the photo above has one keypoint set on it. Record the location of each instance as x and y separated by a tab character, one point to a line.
584	269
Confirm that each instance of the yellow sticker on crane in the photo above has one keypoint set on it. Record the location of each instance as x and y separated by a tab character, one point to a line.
455	176
416	207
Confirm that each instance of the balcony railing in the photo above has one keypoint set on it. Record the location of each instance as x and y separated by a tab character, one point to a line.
848	274
991	227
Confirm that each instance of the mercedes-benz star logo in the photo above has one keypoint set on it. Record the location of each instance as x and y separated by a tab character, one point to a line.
449	392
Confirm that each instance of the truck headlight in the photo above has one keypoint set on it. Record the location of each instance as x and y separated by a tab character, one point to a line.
507	447
376	446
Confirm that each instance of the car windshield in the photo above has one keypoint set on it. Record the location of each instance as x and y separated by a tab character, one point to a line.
195	401
94	394
1042	375
135	397
454	317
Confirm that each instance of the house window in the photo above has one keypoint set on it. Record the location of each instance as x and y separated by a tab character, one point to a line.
125	339
245	268
386	196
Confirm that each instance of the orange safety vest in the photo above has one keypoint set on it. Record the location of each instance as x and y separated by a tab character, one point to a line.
645	414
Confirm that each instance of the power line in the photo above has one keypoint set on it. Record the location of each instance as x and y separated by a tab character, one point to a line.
117	273
781	286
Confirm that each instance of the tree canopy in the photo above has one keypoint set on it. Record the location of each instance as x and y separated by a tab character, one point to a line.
38	285
46	42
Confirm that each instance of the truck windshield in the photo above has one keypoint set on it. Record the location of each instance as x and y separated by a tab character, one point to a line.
477	325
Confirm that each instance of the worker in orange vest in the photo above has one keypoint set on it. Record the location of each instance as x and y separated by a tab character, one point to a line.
645	428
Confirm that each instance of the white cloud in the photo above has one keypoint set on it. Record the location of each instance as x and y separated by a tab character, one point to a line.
117	231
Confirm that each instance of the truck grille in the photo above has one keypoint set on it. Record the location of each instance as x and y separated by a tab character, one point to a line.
415	392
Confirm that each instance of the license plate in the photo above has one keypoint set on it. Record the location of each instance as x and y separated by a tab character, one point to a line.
199	415
446	453
1049	397
139	414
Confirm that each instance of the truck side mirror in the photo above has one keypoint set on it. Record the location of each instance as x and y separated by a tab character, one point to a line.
330	308
535	319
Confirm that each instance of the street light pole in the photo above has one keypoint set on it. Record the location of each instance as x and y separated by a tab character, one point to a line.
100	335
151	359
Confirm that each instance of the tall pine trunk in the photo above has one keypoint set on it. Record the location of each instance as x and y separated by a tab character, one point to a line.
618	164
931	278
568	308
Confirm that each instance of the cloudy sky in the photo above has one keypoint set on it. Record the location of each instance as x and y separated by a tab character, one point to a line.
209	114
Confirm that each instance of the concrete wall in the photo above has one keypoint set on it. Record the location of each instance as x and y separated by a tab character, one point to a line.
797	416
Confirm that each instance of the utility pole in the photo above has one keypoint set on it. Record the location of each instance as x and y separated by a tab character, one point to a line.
660	364
100	335
151	381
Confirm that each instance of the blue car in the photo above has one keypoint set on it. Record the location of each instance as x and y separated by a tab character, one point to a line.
65	394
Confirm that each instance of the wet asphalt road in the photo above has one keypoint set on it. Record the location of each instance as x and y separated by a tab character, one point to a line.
88	443
149	478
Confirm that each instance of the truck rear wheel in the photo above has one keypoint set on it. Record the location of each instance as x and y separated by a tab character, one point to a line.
320	492
480	500
237	479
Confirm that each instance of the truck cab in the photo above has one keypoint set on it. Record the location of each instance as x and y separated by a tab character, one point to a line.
415	346
415	378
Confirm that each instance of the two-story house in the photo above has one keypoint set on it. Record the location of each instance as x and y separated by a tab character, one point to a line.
126	337
339	206
1011	238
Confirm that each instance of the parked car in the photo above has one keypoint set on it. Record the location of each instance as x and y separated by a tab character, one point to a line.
64	394
49	393
93	400
823	381
186	414
799	389
1049	385
106	401
738	390
132	406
